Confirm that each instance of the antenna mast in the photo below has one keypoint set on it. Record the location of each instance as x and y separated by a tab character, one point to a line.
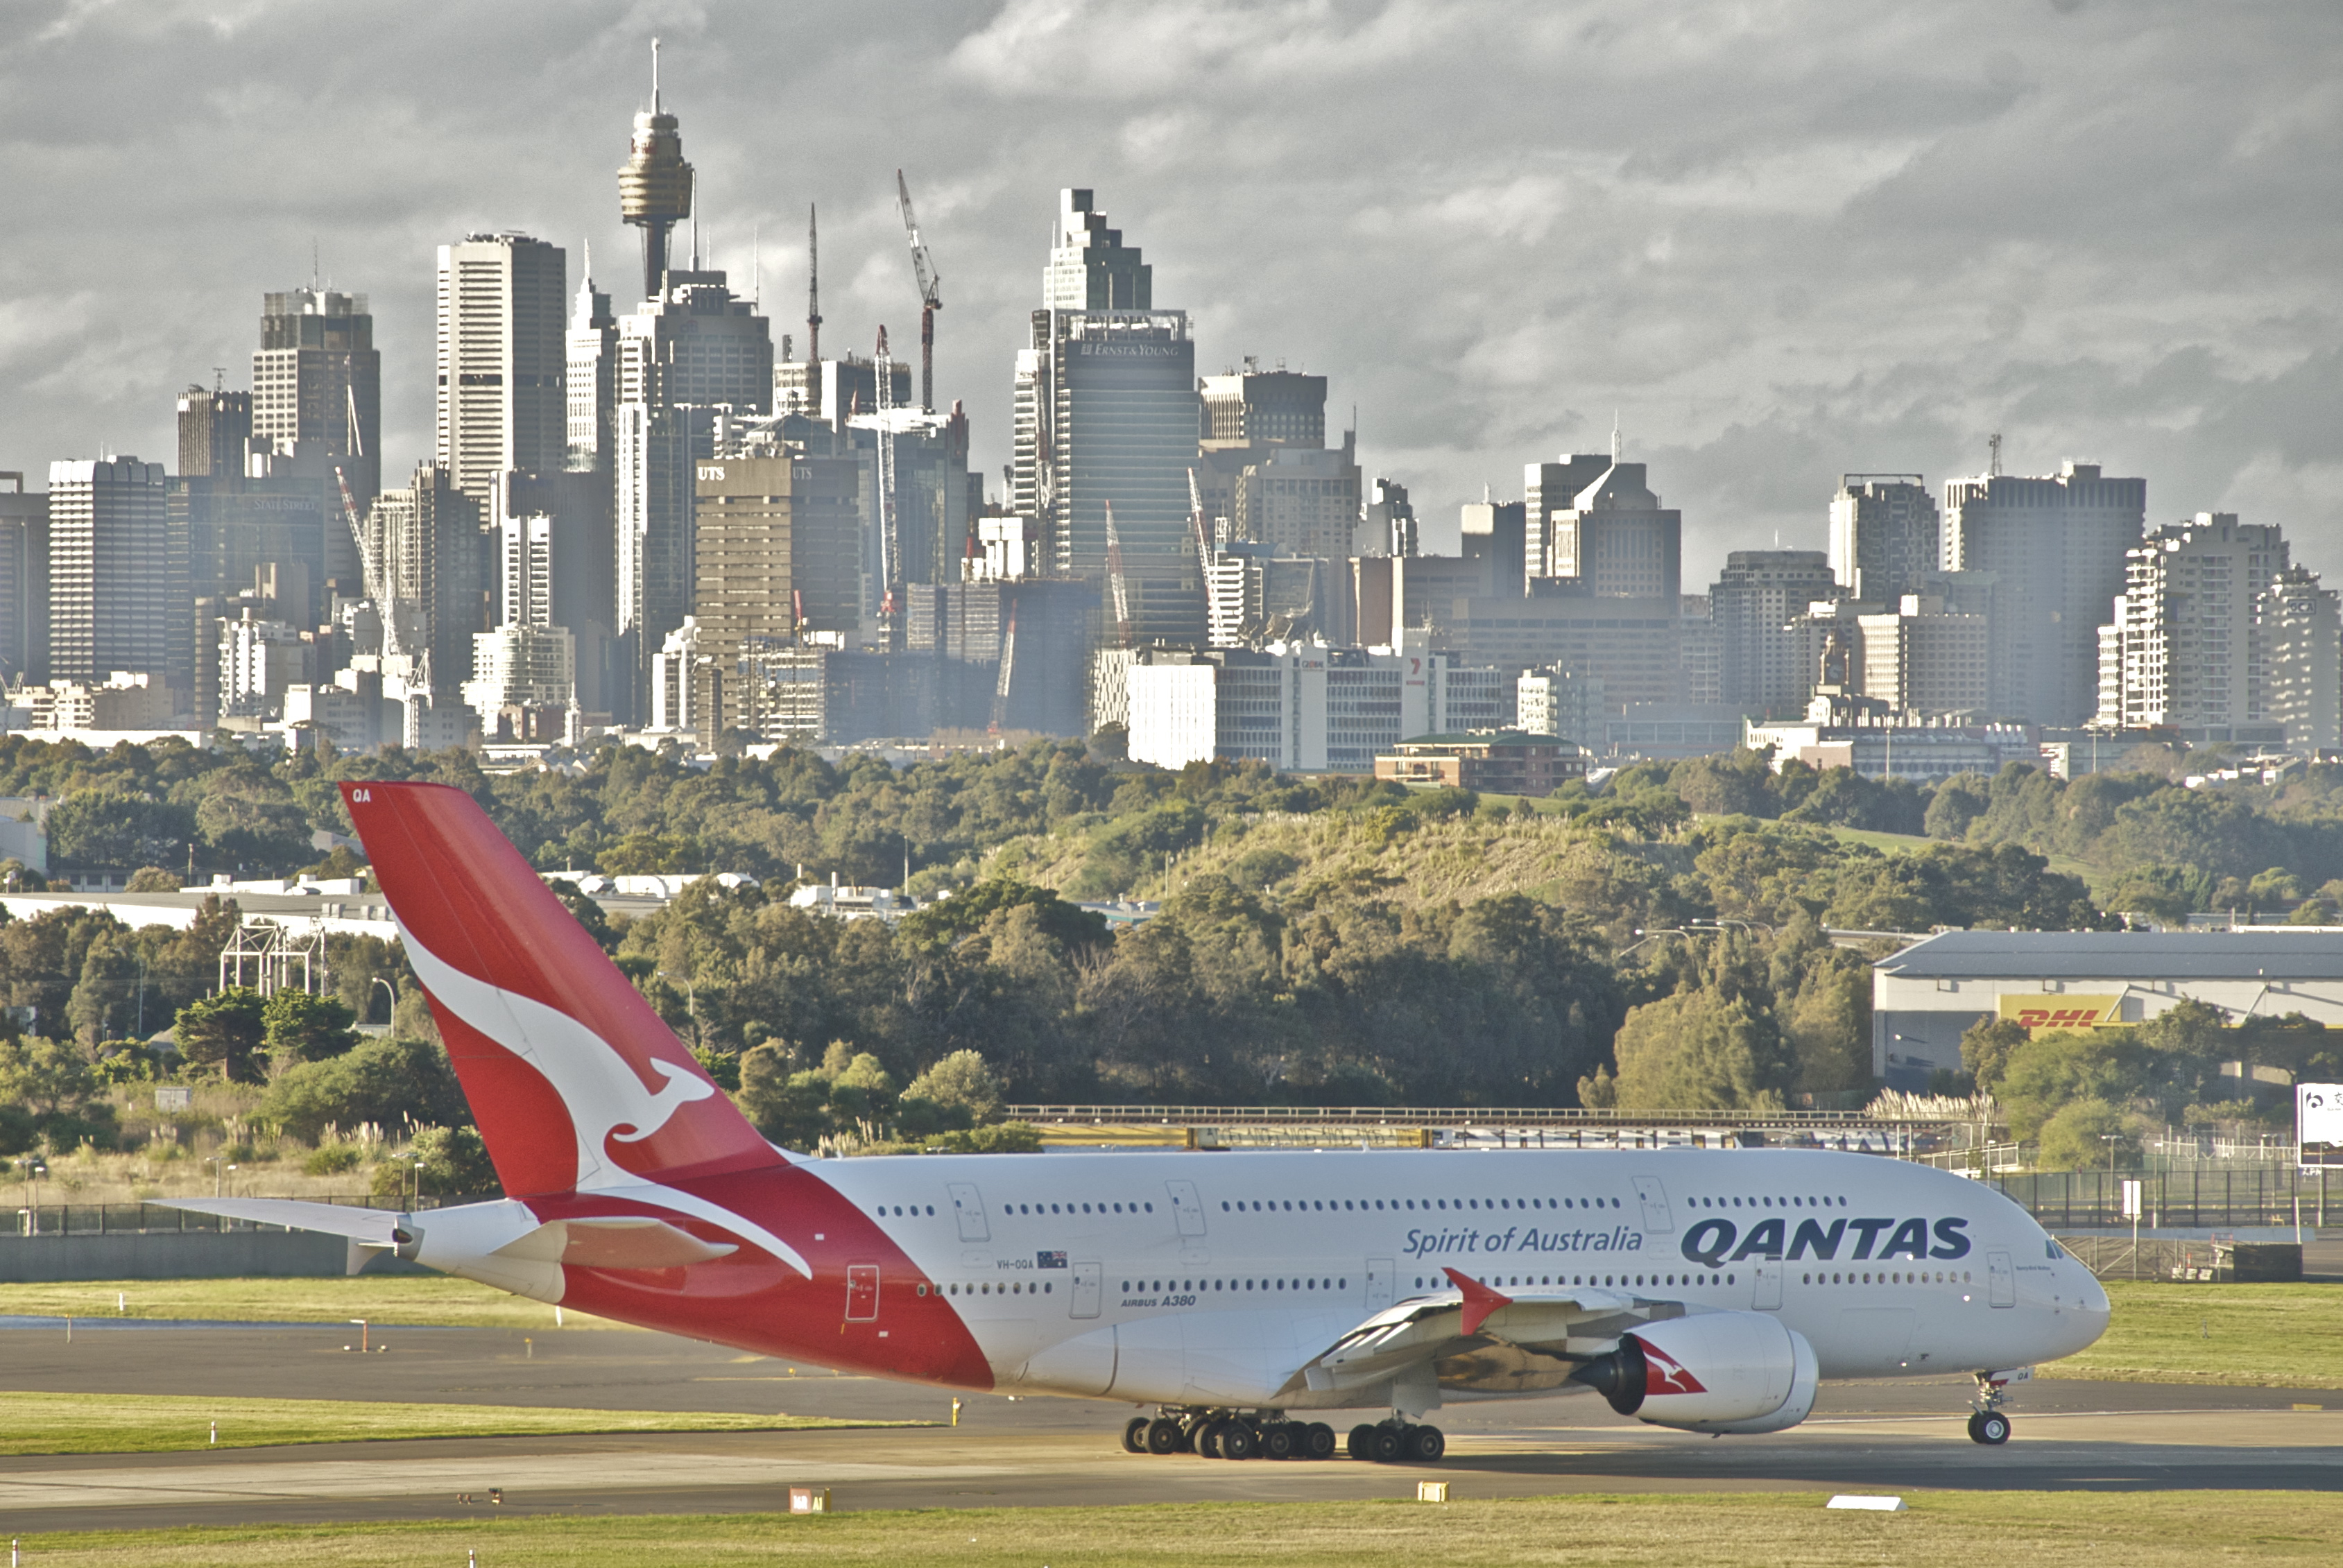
1993	447
931	299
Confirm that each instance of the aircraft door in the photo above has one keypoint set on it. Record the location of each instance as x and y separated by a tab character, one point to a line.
968	1207
1655	1197
1088	1286
1379	1283
863	1292
2001	1280
1768	1276
1186	1207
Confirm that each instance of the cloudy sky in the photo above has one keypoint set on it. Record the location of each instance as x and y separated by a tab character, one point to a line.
1780	240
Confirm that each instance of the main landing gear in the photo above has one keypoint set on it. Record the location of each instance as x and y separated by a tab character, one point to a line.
1229	1434
1398	1442
1987	1424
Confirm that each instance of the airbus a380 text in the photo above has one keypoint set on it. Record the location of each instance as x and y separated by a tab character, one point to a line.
1238	1293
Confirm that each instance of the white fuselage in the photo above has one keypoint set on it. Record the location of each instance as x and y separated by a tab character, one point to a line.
1201	1278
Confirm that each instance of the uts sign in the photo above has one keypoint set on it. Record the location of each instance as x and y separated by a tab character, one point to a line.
2029	1012
1710	1244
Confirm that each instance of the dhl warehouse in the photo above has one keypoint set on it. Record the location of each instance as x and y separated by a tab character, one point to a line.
1926	997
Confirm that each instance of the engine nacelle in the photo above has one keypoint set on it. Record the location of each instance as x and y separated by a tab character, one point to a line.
1712	1372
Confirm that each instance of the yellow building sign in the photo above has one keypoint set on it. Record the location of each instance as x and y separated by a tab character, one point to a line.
2039	1012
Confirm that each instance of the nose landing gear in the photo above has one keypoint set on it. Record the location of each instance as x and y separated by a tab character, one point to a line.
1988	1423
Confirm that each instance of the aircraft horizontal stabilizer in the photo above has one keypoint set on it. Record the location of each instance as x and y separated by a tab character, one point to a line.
367	1227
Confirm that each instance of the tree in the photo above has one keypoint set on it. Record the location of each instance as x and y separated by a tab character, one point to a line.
1698	1050
298	1027
1987	1048
454	1162
224	1032
106	993
110	827
2087	1134
391	1083
957	1091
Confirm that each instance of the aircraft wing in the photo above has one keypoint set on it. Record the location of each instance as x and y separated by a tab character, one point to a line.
1478	1339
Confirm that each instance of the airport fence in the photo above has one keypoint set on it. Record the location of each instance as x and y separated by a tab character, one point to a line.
2196	1194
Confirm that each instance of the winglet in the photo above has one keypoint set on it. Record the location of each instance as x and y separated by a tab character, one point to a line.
1480	1301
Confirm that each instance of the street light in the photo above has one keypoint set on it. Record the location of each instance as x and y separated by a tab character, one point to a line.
2111	1139
219	1171
390	990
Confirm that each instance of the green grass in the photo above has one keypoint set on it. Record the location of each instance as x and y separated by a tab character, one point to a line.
392	1299
2007	1529
2268	1336
1886	843
162	1423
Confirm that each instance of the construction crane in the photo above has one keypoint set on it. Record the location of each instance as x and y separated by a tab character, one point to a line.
1115	581
931	299
891	563
370	565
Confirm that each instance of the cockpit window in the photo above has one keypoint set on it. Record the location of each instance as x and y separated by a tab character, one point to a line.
2050	1249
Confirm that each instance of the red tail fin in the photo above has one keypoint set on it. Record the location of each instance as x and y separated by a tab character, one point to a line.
575	1081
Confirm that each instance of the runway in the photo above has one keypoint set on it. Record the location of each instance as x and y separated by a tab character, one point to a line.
1032	1453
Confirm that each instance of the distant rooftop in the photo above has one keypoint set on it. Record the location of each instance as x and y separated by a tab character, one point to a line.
2259	952
1490	738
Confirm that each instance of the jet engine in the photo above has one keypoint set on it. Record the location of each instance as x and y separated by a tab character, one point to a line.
1711	1372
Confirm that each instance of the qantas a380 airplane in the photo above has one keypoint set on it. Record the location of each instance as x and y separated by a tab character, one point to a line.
1237	1292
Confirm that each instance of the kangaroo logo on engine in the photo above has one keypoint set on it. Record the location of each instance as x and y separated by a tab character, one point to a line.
1711	1243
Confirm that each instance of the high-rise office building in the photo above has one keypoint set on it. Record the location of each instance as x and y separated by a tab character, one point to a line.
591	388
2055	546
1548	489
527	665
2189	646
1107	418
316	389
1760	656
1886	534
779	556
1613	535
427	535
693	356
2305	659
1924	657
503	360
1497	530
215	428
1255	406
118	595
24	583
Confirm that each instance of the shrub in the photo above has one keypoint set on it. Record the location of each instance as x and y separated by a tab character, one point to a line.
386	1081
332	1160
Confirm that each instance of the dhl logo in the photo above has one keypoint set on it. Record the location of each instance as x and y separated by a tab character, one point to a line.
2061	1012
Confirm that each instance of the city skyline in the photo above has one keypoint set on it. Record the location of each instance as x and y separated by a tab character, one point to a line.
1831	241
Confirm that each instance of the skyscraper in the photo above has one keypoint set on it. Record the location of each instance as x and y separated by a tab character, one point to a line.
1614	535
690	356
1886	534
316	387
502	359
213	426
1107	416
2190	629
24	583
2305	659
592	384
2055	546
426	534
118	588
1761	657
1548	489
779	553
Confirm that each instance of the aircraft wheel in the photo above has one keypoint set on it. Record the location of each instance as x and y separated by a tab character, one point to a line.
1319	1441
1280	1440
1386	1444
1164	1436
1134	1435
1989	1427
1426	1444
1208	1439
1361	1442
1239	1441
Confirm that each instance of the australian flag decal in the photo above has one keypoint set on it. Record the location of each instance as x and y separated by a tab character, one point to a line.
1050	1260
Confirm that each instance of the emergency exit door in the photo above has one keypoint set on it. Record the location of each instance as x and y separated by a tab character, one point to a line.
1089	1287
863	1292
